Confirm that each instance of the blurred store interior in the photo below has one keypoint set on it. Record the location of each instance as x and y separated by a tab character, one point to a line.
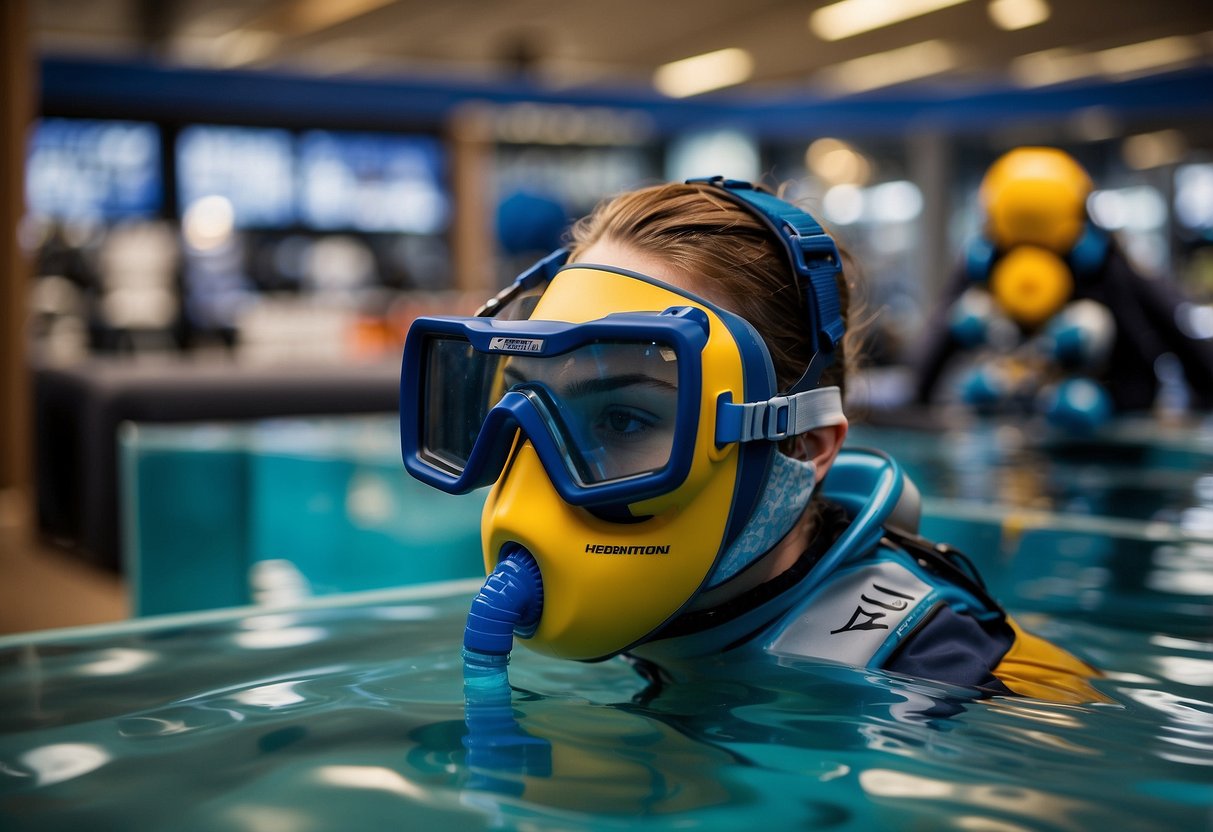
226	211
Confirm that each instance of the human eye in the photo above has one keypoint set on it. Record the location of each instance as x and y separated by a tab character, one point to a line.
623	423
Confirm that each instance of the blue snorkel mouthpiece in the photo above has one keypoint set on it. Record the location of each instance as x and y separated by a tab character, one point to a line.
510	602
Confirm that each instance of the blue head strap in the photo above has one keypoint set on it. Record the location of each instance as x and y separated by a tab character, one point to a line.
814	258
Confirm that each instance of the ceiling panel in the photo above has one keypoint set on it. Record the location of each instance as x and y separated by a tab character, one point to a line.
570	42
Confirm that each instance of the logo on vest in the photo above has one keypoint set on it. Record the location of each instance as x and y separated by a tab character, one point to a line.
869	611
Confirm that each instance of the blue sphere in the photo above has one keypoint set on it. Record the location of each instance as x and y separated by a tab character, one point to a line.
1079	406
983	389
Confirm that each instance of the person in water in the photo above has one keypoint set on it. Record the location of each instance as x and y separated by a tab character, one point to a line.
658	409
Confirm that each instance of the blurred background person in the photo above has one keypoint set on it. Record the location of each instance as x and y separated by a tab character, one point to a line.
1049	315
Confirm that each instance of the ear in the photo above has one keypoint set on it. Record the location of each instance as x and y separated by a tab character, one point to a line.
821	446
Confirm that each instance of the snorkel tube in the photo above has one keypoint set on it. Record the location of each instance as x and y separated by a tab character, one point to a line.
510	602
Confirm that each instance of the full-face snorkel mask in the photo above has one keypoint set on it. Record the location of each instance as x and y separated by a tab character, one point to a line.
627	428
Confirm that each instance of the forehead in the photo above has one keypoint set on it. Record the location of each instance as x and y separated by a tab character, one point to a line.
623	256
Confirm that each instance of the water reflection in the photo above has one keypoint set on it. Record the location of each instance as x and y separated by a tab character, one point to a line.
278	695
1029	804
576	756
150	726
1183	570
51	764
1185	670
270	632
116	661
370	727
378	778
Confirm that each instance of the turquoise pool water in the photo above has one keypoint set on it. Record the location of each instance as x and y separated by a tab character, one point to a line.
350	713
354	718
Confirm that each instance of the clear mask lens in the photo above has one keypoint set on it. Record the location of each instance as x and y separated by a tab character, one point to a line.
609	406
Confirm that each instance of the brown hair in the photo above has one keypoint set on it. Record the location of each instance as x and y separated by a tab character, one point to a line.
735	257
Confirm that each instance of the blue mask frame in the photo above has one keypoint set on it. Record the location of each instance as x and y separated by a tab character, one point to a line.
684	329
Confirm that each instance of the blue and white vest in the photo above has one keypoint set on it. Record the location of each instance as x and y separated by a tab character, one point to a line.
867	594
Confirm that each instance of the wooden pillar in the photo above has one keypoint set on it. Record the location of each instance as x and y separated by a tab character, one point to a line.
930	162
471	143
17	95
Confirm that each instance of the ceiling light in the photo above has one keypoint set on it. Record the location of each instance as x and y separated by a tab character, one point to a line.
1153	150
1018	14
1096	123
843	204
1051	66
836	162
242	46
306	16
854	17
1151	54
208	222
293	19
883	69
1055	66
897	201
732	153
710	71
1194	202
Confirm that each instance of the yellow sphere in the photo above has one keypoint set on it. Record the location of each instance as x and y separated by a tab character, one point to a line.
1031	284
1035	196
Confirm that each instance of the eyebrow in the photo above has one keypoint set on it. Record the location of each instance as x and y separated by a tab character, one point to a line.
591	386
